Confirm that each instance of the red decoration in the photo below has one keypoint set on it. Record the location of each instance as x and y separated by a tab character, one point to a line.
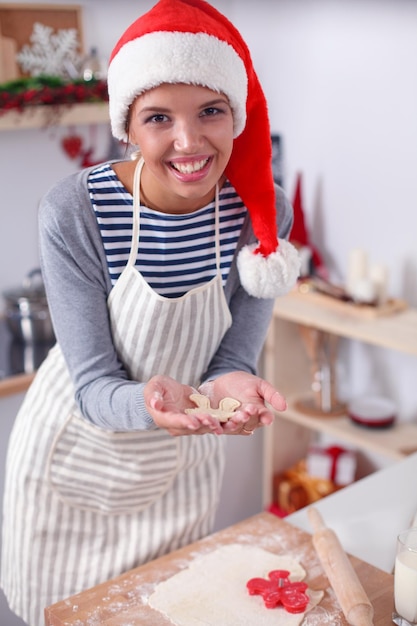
86	160
72	146
299	230
340	467
278	590
299	233
43	90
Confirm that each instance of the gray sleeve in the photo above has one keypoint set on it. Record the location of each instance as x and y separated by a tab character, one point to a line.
243	342
77	285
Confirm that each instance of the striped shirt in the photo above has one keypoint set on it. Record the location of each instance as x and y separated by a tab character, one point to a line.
176	253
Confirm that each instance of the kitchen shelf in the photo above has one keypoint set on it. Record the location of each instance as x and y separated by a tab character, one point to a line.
48	115
397	331
286	365
394	442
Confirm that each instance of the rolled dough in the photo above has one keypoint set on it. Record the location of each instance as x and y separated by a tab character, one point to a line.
212	590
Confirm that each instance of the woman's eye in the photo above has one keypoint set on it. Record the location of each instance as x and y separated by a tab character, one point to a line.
157	118
211	111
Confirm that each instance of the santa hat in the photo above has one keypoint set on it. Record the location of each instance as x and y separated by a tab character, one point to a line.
189	41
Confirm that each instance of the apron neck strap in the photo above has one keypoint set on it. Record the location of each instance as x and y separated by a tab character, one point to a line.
136	217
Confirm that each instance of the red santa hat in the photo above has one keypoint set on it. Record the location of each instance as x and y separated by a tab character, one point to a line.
189	41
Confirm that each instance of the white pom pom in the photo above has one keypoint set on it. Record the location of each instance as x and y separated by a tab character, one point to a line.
271	276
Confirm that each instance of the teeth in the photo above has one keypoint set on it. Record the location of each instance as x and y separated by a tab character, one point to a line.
190	168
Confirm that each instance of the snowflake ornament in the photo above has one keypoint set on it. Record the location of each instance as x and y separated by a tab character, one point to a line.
52	54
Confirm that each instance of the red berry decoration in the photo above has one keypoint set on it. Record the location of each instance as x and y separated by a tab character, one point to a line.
279	590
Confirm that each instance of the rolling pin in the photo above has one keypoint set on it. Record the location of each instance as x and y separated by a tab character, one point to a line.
350	594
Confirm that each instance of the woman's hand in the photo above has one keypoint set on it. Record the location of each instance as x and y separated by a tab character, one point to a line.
252	392
166	401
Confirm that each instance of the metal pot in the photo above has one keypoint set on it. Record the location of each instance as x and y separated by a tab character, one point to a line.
27	312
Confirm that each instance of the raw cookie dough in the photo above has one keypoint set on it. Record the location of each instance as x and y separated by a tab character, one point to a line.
212	590
227	407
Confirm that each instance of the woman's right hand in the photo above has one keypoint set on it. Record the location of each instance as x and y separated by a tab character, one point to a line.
166	401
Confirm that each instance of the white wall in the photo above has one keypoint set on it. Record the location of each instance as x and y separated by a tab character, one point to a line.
341	85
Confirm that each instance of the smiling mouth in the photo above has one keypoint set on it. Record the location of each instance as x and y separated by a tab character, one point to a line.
191	167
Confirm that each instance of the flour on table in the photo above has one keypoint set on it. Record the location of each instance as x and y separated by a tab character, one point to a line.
212	590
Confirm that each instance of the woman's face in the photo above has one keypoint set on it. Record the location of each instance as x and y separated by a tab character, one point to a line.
185	135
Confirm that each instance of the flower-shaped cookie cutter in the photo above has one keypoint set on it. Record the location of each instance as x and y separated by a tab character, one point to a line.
279	590
226	410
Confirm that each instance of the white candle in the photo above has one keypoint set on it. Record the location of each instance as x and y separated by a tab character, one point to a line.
405	585
363	291
357	269
379	277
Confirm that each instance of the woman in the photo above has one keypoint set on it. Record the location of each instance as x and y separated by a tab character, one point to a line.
157	286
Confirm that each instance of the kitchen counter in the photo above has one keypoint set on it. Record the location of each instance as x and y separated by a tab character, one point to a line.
123	600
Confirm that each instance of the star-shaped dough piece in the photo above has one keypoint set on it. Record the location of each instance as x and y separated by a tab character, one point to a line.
226	410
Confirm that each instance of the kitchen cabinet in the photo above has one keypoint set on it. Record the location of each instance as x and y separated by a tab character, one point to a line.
287	367
62	115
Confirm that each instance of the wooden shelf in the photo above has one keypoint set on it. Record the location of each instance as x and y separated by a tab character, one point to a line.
64	115
395	442
397	331
288	367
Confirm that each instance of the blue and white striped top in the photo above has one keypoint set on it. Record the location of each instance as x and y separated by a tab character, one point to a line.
176	252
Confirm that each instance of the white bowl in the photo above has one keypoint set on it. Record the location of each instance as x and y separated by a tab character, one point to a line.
373	411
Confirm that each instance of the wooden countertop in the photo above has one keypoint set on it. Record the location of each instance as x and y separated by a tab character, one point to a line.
18	383
123	600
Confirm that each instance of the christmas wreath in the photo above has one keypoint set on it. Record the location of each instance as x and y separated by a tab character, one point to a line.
50	90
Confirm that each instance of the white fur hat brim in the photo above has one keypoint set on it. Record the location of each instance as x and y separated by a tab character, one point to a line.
269	276
175	57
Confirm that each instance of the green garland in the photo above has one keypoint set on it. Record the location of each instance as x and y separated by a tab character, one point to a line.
49	90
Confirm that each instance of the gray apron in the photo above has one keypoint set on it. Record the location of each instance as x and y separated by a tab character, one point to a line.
83	504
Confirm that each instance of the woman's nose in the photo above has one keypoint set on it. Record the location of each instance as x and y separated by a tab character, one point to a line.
187	137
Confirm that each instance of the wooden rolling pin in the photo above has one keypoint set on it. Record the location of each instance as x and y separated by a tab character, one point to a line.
350	594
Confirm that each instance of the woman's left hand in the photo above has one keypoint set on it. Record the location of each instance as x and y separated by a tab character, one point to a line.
252	392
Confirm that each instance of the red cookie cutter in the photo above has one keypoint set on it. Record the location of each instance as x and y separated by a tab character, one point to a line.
278	590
